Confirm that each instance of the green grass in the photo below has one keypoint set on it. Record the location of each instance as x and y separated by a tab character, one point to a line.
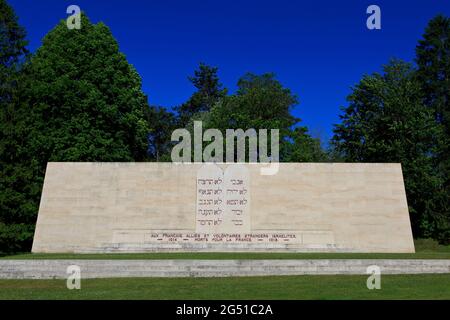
433	286
279	287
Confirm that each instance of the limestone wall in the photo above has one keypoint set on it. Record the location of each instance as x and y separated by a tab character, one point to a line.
138	207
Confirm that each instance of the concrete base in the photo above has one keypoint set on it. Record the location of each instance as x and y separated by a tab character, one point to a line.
57	269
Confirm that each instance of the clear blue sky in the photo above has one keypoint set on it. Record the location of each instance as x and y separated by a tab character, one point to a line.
318	49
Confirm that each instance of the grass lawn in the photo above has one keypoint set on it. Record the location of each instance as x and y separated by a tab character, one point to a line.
278	287
431	286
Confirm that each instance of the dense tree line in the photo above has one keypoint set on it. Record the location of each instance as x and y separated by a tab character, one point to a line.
78	99
403	115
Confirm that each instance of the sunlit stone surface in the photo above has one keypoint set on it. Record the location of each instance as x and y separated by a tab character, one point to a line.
138	207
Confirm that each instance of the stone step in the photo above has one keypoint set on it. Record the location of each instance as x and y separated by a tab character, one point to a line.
50	269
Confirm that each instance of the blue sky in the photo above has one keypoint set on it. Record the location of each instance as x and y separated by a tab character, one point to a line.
318	49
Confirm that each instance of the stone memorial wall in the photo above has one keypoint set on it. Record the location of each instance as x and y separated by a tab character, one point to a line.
140	207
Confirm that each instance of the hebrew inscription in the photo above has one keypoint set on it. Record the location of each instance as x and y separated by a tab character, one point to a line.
223	199
210	201
237	199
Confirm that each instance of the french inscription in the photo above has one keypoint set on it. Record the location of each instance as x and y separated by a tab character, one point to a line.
224	237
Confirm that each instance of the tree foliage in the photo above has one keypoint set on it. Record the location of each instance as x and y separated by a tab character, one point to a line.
15	232
85	100
386	121
79	100
162	122
209	91
261	102
433	60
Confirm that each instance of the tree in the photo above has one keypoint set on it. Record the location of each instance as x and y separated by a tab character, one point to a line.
261	102
13	232
209	91
81	101
12	45
12	54
163	122
85	100
386	121
433	60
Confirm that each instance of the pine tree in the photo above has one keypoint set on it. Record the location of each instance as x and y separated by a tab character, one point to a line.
433	60
14	231
209	91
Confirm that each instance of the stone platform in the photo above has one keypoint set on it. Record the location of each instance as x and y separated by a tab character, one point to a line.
56	269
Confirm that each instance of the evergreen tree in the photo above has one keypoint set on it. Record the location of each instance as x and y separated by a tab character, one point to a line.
12	43
85	99
80	101
14	232
433	60
209	91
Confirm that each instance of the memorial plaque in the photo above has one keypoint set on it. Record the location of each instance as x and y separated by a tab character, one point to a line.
223	199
